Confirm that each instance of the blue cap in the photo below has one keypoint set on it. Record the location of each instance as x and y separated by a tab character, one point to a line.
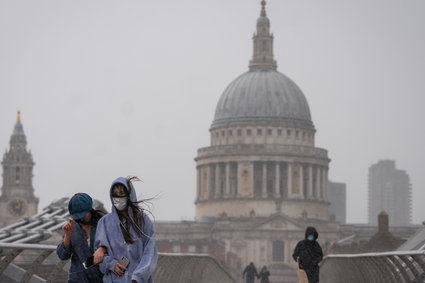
79	205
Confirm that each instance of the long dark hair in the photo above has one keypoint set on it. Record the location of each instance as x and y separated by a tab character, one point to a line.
136	219
96	214
95	217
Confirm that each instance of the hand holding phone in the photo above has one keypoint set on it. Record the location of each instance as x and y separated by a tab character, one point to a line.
124	261
121	266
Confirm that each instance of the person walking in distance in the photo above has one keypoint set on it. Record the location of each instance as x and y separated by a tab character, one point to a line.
308	254
250	273
264	274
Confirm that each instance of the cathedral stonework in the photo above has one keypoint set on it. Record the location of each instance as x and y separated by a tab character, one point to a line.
261	181
17	198
262	146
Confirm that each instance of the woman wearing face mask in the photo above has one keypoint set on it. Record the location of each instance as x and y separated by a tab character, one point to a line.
308	254
78	240
126	232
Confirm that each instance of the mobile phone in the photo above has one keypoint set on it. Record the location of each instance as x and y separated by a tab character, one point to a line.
89	262
124	261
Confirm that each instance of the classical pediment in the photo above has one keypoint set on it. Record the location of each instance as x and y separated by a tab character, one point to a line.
280	223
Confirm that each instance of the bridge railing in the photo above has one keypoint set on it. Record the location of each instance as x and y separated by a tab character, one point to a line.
386	267
38	264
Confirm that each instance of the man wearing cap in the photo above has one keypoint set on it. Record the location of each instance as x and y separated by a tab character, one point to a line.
78	241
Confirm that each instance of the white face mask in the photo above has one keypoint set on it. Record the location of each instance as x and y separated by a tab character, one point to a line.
119	203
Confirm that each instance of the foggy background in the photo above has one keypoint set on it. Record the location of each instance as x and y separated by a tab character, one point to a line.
113	88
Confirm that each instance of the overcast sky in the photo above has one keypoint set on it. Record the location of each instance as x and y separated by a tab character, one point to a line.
113	88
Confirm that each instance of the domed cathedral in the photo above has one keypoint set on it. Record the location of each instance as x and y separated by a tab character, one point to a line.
262	159
17	198
262	181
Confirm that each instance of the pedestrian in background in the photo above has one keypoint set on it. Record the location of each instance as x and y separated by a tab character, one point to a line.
250	273
308	254
264	274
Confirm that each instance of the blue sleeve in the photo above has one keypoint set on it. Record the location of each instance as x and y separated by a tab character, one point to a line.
62	252
108	264
101	239
147	264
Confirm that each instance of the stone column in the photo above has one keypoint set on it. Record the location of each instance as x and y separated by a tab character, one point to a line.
310	182
315	184
289	174
252	178
239	182
227	184
323	193
301	181
198	182
326	183
264	181
277	180
318	182
210	188
217	181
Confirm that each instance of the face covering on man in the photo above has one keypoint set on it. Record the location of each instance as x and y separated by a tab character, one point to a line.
310	237
120	203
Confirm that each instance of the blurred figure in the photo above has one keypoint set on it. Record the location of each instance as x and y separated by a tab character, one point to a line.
250	272
308	254
128	235
264	275
78	241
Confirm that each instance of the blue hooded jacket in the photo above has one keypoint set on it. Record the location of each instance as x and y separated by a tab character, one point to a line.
142	253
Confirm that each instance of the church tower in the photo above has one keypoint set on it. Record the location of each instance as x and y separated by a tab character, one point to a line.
17	198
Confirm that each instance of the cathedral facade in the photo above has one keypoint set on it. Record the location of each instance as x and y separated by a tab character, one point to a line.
17	198
261	181
262	157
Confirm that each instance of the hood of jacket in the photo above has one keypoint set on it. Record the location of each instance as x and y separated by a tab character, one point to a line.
311	231
129	187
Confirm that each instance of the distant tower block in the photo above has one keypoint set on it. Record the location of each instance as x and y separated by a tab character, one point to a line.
17	193
337	195
389	191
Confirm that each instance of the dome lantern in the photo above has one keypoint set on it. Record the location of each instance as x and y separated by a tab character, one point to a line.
263	44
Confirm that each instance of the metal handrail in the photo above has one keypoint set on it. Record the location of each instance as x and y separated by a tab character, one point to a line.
179	268
393	253
27	246
382	267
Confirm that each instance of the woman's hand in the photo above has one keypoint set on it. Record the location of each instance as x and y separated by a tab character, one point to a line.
98	255
119	269
67	228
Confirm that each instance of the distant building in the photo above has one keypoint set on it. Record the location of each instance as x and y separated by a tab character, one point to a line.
337	196
382	240
17	193
389	191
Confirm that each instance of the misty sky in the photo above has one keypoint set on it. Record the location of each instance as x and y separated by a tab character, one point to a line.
116	88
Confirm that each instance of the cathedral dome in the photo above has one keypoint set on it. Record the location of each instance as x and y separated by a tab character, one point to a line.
263	95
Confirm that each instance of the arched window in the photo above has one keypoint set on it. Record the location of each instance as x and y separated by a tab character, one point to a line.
278	251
